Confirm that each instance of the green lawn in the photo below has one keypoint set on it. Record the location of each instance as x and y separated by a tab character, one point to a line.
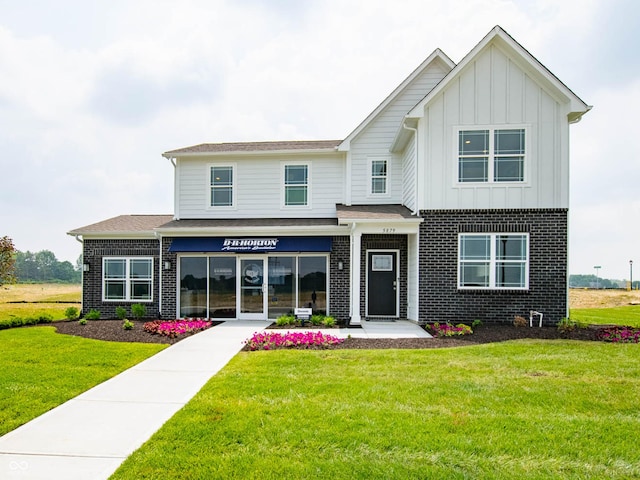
42	369
628	315
524	409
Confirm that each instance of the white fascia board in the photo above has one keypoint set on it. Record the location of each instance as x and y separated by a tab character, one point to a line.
323	230
314	151
116	235
400	227
437	55
503	40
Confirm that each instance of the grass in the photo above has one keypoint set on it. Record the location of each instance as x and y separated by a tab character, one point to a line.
628	315
42	369
38	299
524	409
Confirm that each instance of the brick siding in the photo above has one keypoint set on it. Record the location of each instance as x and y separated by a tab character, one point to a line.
339	283
440	299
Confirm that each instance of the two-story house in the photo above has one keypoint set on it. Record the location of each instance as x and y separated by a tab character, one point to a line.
449	202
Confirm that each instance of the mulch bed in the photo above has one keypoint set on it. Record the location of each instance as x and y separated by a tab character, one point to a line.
111	330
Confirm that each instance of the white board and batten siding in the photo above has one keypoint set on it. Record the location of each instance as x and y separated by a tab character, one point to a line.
259	186
375	139
495	91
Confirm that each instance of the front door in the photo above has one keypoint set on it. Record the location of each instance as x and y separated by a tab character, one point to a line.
382	283
252	287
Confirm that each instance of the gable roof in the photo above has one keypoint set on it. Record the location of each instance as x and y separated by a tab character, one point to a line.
542	74
437	56
248	147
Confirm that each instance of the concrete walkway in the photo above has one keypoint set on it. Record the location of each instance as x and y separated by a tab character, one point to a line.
89	436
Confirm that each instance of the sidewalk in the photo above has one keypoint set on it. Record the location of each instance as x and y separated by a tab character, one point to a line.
88	437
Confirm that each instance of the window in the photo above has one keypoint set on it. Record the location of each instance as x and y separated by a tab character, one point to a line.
493	261
378	173
491	155
221	183
128	279
296	185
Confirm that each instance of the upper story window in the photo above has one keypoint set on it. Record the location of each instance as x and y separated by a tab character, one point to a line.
378	174
491	155
221	185
127	279
296	185
493	261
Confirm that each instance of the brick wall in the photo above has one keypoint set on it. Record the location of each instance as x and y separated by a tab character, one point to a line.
93	253
169	281
339	284
440	299
384	242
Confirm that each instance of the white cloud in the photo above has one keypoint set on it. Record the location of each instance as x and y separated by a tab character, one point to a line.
91	93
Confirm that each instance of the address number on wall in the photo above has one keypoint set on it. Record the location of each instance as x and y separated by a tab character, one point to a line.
388	230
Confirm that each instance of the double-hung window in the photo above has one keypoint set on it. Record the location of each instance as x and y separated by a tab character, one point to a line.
127	279
221	180
493	261
491	155
296	185
379	174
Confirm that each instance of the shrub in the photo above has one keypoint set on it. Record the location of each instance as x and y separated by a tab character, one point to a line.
93	315
519	321
71	313
82	321
476	323
284	320
274	340
127	325
568	325
121	313
448	330
316	319
329	322
138	311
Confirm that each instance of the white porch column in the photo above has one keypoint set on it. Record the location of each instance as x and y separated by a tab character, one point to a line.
356	248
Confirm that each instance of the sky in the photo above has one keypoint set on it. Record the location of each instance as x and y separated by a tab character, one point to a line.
92	93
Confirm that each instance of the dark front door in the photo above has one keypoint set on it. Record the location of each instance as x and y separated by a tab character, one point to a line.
382	283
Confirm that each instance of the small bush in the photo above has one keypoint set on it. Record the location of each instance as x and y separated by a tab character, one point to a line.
568	325
127	325
93	315
329	322
121	313
316	319
285	320
82	321
476	323
45	318
138	311
71	313
519	321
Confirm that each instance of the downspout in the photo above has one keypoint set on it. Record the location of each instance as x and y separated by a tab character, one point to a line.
415	141
79	239
160	270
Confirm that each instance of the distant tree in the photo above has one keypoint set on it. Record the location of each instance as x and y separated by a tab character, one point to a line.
43	266
7	260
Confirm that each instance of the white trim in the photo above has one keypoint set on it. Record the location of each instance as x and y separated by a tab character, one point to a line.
493	261
526	162
283	166
234	187
397	280
387	176
127	279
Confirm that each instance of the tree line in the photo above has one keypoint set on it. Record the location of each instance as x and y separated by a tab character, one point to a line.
44	267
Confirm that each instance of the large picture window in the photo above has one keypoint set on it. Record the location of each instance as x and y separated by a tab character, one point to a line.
127	279
491	155
221	184
296	185
493	261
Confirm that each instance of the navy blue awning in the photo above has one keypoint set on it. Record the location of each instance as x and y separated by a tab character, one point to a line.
251	244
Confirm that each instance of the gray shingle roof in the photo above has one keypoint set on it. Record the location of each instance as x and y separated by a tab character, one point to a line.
242	147
374	212
126	224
